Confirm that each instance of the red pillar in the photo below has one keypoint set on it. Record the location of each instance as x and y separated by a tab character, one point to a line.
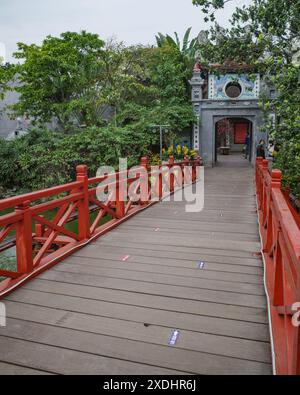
186	163
83	208
24	239
171	175
144	181
120	198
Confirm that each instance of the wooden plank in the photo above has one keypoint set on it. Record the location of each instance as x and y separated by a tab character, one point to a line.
89	353
177	304
168	279
131	229
65	361
209	295
212	271
13	370
182	252
193	322
221	217
171	258
187	242
188	340
193	225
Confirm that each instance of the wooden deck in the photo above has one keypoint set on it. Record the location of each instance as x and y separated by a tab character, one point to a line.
95	314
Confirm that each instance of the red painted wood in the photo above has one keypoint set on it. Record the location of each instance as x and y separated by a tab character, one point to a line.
240	133
281	240
24	239
51	241
83	209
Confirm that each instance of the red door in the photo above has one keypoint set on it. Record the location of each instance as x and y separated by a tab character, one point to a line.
240	133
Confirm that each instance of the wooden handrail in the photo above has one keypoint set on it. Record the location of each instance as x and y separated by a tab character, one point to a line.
281	248
41	243
34	196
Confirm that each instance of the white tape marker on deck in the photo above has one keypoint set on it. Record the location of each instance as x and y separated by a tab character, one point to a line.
174	337
157	230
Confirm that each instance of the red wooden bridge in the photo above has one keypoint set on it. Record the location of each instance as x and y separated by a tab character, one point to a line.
166	292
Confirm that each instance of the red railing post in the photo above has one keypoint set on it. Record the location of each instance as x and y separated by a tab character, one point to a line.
185	173
258	163
259	182
160	182
120	198
272	241
83	208
196	164
171	174
144	181
266	189
24	239
276	177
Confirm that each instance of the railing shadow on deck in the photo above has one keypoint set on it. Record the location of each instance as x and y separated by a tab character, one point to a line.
280	232
40	243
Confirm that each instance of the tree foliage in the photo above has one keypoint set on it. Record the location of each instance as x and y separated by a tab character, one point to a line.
72	78
43	158
187	48
60	78
6	75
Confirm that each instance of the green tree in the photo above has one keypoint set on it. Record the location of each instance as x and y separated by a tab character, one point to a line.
44	158
160	94
6	75
145	85
187	48
61	78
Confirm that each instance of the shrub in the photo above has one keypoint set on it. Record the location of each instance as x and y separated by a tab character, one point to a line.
43	158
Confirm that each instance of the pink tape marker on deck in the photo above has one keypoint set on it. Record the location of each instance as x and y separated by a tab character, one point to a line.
125	258
157	230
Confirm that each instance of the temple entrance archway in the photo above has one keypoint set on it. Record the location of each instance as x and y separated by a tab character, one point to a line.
230	137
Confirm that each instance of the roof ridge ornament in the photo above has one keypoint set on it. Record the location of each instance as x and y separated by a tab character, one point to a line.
197	67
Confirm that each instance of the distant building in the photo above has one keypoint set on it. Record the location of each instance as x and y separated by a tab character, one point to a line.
225	103
11	127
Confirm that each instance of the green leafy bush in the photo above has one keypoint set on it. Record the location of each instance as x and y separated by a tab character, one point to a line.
43	158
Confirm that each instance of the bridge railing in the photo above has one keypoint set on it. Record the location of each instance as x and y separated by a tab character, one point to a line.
40	241
280	231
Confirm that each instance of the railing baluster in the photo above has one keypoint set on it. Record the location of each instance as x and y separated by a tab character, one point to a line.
120	198
171	174
160	182
24	239
185	173
83	208
276	177
144	181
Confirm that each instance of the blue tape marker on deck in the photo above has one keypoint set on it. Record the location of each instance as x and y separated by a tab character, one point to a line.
201	265
174	337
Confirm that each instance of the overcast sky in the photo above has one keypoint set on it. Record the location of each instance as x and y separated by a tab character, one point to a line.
131	21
